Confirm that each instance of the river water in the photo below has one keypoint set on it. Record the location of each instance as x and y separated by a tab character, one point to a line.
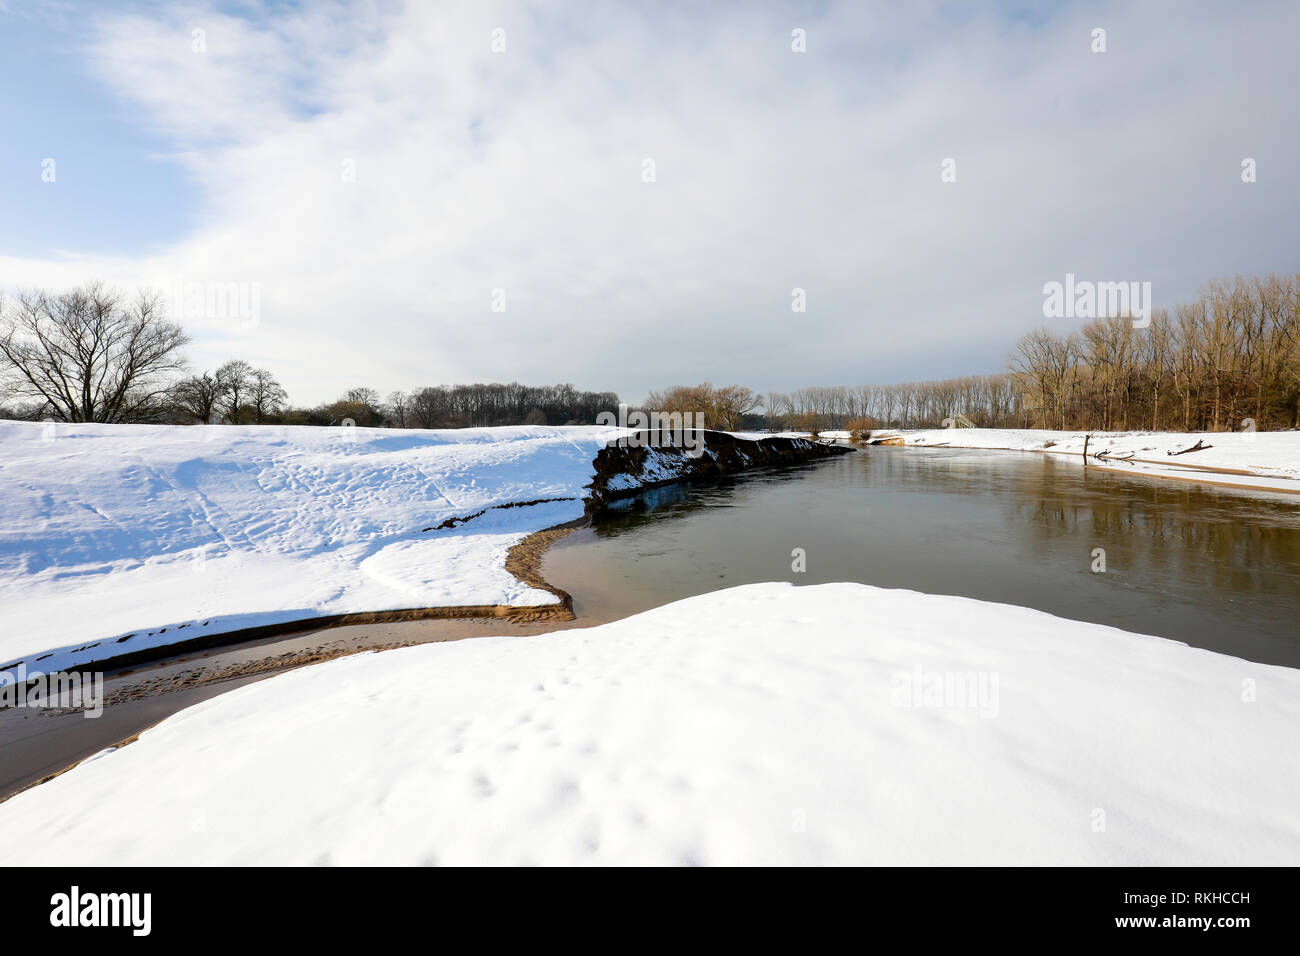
1212	567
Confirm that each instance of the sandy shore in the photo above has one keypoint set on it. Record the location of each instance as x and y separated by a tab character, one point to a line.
144	689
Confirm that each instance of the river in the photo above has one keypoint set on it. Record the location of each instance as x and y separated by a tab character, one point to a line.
1213	567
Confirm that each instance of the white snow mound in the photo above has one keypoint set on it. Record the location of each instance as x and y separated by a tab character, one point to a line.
760	725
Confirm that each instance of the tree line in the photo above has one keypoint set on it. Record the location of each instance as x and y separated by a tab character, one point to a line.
461	406
989	401
1228	360
96	355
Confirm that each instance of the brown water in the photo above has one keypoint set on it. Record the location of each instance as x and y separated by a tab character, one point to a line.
1209	566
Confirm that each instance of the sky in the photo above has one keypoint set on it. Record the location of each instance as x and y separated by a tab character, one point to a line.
627	195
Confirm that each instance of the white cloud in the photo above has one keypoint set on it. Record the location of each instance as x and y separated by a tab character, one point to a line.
522	171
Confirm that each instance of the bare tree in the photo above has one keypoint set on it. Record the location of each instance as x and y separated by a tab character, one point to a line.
265	395
89	355
731	403
362	396
723	407
427	406
236	378
398	408
199	396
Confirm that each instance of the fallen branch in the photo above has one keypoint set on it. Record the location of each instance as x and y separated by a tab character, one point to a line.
1199	446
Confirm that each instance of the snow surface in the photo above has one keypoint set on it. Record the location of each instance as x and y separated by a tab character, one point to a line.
1265	453
760	725
166	532
1271	458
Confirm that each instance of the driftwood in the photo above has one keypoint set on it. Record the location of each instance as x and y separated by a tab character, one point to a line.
1199	446
1107	456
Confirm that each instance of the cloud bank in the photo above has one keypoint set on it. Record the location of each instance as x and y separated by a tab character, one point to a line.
383	177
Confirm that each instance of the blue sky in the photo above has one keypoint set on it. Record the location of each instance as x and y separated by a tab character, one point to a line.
474	171
116	191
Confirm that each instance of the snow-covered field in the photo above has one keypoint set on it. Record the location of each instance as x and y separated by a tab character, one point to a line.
1271	459
764	724
166	532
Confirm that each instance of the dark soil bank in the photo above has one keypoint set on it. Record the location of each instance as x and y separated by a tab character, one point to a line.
650	460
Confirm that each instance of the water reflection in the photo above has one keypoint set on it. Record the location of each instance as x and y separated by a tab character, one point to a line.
1210	566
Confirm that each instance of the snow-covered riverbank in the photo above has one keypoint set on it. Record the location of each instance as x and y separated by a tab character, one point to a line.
764	724
119	538
115	540
1262	461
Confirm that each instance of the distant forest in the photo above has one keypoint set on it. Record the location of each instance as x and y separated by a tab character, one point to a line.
1229	360
462	406
95	355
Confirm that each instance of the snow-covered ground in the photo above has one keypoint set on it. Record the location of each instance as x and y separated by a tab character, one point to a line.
117	538
763	724
1270	460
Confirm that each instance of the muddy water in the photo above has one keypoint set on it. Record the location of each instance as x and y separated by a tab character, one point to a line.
1209	566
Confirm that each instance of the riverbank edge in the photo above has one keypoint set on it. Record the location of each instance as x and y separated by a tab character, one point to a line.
727	455
523	560
1196	473
628	467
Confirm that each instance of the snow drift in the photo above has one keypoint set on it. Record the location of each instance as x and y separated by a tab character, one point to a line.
117	538
760	725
